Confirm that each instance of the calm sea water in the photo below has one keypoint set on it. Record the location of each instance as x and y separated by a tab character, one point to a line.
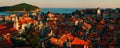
45	10
59	10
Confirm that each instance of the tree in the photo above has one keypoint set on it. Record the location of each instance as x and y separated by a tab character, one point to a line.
30	36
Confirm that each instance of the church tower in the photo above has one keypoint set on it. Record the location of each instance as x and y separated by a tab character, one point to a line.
16	23
98	11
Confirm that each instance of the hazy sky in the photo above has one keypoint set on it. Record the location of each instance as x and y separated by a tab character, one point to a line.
65	3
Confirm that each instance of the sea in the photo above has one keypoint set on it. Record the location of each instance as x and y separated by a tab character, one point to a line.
45	10
60	10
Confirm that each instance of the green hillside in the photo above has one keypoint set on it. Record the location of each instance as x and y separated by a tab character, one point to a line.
19	7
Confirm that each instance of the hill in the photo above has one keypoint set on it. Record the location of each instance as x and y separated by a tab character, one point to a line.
19	7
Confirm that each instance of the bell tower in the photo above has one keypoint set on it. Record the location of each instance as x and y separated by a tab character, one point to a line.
16	23
98	11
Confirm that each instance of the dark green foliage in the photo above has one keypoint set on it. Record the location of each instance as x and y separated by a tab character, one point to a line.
19	7
4	8
31	37
18	43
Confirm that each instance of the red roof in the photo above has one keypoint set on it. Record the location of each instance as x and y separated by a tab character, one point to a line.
77	41
69	36
35	21
103	43
81	33
28	20
3	26
117	28
5	44
113	42
94	35
99	27
90	19
62	39
86	24
23	21
11	30
108	37
102	22
53	40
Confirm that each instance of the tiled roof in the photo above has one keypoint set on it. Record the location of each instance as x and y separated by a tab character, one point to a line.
53	40
103	43
117	28
3	26
94	35
10	30
61	40
99	27
77	41
69	36
102	22
81	33
35	21
5	44
23	21
113	42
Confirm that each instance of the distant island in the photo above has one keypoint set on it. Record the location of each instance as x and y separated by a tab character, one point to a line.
20	7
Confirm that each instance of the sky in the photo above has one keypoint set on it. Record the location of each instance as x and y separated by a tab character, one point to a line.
65	3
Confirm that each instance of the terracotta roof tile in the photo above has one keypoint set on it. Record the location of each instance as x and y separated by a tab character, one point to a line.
103	43
35	21
3	26
77	41
23	21
69	36
10	30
